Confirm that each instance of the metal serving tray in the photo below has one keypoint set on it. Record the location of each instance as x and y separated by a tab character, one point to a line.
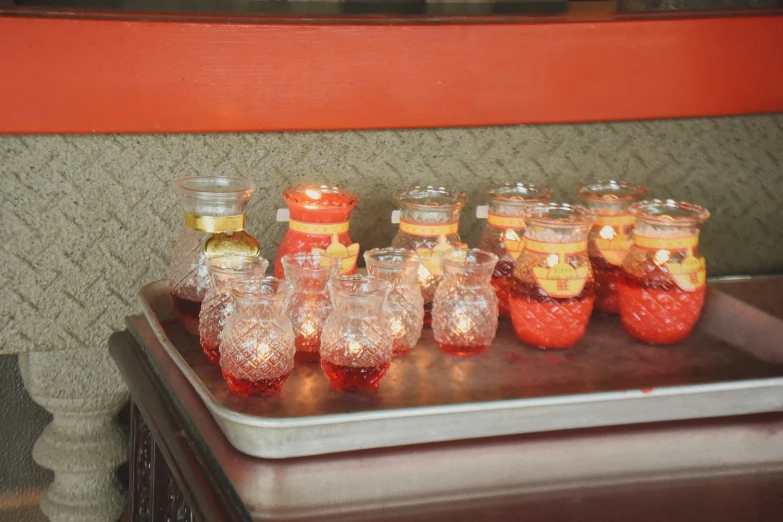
732	364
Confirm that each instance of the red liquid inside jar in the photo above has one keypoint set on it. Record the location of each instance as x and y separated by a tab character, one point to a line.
658	311
606	277
348	378
501	280
263	386
549	322
212	352
188	312
307	348
329	208
463	351
307	357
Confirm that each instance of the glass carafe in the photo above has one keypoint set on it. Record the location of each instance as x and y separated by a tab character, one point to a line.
504	234
217	304
214	224
429	225
357	344
610	237
404	308
319	223
465	309
257	353
552	291
308	304
661	294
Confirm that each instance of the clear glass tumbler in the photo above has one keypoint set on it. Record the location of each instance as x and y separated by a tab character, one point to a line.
465	309
661	293
217	304
429	225
504	234
357	344
257	353
214	225
308	304
552	291
610	237
404	308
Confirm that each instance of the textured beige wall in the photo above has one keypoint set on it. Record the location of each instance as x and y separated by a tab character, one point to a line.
88	219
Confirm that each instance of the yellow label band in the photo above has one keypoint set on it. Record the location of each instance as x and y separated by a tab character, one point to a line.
505	221
318	229
614	221
214	224
420	229
660	243
555	248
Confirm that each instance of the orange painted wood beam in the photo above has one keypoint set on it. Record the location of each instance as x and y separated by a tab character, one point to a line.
60	75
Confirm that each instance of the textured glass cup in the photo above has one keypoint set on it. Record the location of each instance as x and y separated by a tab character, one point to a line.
217	303
610	237
257	353
308	304
214	225
319	223
429	225
357	345
504	234
661	293
552	291
465	310
404	308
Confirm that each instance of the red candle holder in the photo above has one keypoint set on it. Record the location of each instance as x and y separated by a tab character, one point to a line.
319	223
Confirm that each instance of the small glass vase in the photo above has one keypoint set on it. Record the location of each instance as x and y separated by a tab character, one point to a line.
504	234
357	344
319	223
465	309
404	307
661	293
552	291
217	304
308	304
610	237
429	225
257	353
214	225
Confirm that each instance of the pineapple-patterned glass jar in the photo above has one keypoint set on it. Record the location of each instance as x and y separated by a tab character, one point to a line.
504	234
429	225
552	291
214	225
257	353
217	304
662	291
404	308
357	345
465	310
319	223
610	237
309	304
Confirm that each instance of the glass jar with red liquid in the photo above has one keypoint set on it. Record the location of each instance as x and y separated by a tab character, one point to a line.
504	234
661	293
429	225
465	309
257	353
356	348
610	237
214	225
552	290
217	305
319	223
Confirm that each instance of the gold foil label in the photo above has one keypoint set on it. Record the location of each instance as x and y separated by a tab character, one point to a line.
505	221
213	224
690	274
318	229
561	279
425	230
612	241
346	254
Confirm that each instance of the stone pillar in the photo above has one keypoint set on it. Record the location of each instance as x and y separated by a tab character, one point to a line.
84	444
